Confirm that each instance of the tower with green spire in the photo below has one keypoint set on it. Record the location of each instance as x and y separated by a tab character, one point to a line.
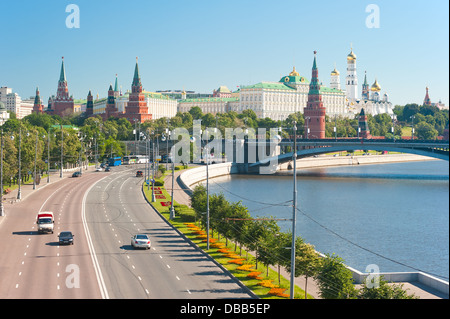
90	105
63	103
314	111
38	107
110	108
365	88
137	108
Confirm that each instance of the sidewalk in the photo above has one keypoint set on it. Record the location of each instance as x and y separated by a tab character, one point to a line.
416	288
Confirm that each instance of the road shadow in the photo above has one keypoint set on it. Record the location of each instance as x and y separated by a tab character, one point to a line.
29	233
53	243
127	247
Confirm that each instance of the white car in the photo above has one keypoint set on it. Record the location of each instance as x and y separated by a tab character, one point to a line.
141	241
99	169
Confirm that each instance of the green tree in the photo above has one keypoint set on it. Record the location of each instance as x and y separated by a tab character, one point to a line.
265	244
308	262
196	113
426	131
334	279
384	291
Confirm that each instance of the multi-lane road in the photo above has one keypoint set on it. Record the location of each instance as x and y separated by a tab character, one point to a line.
103	210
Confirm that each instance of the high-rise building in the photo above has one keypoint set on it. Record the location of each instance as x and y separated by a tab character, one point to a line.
314	111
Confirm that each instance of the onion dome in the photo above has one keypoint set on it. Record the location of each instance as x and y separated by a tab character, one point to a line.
376	87
351	56
294	73
334	72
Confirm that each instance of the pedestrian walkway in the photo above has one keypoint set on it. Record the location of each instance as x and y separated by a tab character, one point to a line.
416	288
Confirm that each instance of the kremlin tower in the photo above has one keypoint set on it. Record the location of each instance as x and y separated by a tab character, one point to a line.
62	104
314	111
110	109
90	105
137	108
363	127
38	106
365	88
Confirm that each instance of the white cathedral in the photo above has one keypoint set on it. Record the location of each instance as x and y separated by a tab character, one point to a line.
371	99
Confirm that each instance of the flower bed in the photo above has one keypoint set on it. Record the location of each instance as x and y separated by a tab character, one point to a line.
255	275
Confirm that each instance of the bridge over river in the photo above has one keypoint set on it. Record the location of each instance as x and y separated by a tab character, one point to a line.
264	155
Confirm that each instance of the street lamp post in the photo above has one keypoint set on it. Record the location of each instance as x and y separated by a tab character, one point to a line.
35	160
412	117
207	189
294	213
307	126
62	152
19	191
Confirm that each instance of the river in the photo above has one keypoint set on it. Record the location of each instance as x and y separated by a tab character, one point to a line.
395	216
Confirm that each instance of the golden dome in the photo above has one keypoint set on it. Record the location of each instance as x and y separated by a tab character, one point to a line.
335	72
294	73
376	87
351	56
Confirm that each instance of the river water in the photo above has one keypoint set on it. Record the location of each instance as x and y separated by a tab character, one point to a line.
395	216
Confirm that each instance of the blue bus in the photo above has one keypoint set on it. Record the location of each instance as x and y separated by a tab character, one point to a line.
115	161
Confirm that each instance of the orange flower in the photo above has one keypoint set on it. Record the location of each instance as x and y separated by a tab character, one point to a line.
278	292
236	261
255	275
267	283
246	267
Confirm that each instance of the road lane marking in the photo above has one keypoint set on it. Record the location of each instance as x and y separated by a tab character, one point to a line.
98	272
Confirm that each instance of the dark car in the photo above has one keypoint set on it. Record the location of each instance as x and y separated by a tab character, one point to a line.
76	174
139	174
107	169
66	238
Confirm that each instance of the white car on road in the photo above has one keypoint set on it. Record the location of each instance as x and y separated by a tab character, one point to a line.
141	241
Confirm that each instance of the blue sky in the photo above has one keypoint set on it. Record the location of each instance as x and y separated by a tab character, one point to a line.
202	44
